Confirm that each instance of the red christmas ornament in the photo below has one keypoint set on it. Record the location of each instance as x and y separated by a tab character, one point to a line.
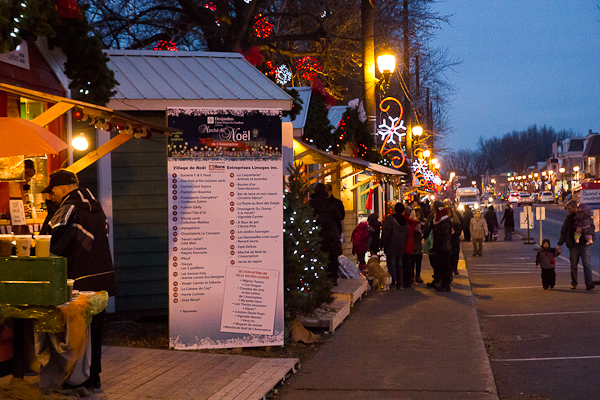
120	127
110	126
262	27
77	115
165	45
308	67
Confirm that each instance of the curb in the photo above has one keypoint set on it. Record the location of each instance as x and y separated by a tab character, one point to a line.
487	365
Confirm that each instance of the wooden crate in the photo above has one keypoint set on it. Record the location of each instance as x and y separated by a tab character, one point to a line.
350	290
329	316
40	281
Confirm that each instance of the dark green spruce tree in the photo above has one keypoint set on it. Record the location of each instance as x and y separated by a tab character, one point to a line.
307	285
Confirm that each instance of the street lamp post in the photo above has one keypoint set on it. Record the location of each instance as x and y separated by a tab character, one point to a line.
562	180
576	173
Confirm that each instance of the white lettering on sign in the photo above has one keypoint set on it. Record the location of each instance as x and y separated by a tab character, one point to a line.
19	57
590	196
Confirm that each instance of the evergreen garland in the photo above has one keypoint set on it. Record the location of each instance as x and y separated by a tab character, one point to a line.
296	106
353	130
91	79
306	283
318	130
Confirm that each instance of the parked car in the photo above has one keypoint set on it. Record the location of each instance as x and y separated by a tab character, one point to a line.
546	197
524	198
513	197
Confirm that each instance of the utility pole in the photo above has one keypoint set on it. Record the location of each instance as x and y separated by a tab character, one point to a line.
406	83
368	49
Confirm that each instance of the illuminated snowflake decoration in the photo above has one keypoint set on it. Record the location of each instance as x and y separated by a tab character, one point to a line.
420	166
284	75
392	130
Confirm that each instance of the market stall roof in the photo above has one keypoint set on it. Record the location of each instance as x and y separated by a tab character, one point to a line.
335	114
300	120
63	104
308	154
154	80
376	168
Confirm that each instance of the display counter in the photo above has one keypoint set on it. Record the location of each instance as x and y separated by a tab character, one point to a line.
66	324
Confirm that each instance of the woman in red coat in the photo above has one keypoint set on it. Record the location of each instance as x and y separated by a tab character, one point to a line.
360	243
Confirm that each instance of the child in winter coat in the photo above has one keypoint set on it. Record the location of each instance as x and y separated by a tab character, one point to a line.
360	243
584	224
545	259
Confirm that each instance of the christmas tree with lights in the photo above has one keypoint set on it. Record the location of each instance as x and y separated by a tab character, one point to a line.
307	285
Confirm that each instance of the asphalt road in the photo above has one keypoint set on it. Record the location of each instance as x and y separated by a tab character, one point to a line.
542	343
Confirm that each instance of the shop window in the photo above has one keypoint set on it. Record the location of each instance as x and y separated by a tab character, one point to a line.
31	109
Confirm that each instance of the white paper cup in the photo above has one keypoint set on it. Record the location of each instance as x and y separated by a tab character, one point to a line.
42	245
70	283
23	245
6	245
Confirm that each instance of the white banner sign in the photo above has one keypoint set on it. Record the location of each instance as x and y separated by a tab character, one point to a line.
524	217
225	228
591	197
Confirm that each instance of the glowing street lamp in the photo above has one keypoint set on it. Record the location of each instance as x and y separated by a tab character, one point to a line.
386	63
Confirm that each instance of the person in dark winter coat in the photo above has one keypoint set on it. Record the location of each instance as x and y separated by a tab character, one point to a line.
492	222
441	226
375	232
508	219
418	239
455	239
393	241
328	219
338	204
576	250
545	259
79	232
467	217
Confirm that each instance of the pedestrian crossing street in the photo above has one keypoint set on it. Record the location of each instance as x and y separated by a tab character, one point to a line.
518	265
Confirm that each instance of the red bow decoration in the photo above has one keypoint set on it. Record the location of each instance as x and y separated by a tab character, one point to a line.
67	8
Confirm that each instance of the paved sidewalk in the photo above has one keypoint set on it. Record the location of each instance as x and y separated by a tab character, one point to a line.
402	344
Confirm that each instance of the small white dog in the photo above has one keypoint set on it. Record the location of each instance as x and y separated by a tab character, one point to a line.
381	278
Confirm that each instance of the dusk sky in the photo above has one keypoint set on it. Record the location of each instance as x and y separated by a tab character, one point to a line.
524	62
